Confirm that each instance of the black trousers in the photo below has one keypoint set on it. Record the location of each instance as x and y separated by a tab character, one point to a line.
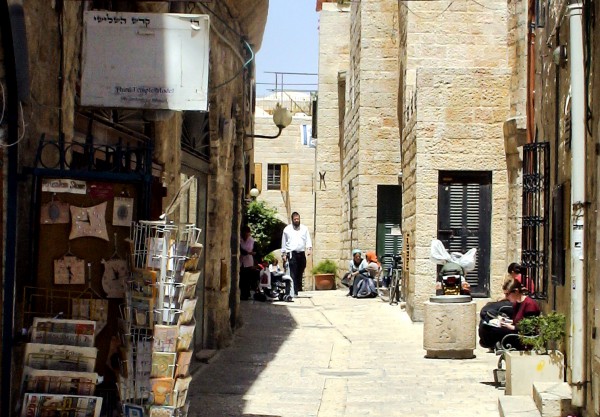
248	281
297	262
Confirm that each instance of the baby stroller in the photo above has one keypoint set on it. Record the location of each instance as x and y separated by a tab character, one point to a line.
277	285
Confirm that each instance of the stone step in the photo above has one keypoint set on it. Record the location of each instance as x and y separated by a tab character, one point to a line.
553	399
517	406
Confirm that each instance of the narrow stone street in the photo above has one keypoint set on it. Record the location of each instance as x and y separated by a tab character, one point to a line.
331	355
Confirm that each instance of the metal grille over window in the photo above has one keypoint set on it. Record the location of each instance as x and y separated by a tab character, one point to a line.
536	206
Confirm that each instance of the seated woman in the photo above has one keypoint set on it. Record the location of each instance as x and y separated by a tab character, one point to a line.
515	270
522	306
356	264
364	284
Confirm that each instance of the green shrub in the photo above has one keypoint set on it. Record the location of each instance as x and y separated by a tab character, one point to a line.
543	332
326	266
265	227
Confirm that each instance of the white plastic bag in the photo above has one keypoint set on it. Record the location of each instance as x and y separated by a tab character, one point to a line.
467	261
439	254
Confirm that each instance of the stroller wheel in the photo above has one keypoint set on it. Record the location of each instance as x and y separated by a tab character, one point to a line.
289	299
281	297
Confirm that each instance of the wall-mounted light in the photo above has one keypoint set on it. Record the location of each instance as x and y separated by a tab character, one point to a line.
254	192
282	119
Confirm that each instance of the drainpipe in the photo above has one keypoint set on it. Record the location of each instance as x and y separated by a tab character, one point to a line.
578	136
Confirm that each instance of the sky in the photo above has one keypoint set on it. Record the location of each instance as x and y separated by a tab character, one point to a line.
290	44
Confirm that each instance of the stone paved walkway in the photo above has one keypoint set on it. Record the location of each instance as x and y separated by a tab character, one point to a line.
331	355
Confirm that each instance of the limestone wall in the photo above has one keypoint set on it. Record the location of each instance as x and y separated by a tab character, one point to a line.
455	99
334	51
378	157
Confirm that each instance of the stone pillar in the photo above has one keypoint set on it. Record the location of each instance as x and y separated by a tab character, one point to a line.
449	330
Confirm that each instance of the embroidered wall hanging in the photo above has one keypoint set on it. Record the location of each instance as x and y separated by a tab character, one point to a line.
122	211
54	212
69	270
89	222
114	277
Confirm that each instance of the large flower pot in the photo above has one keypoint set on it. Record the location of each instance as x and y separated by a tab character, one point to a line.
324	281
523	368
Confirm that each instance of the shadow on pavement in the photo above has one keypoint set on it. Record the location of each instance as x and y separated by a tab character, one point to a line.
219	387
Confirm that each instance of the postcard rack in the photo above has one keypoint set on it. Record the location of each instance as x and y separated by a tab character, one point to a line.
157	319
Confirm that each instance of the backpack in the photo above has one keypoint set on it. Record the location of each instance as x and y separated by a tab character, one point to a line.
366	287
494	309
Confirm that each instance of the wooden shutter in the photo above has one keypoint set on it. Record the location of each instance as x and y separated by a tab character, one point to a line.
257	176
285	177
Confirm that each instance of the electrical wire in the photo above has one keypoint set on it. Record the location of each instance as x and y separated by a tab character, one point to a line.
22	120
239	71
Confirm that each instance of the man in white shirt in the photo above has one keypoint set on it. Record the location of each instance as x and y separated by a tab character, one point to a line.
295	246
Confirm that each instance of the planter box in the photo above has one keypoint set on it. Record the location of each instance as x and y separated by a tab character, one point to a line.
324	281
525	368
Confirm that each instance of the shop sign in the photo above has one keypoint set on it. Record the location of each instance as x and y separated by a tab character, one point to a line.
64	186
145	60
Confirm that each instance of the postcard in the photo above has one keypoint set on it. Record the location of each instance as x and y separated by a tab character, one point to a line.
59	382
181	390
194	253
142	311
132	410
186	334
63	332
165	338
162	390
39	405
154	255
190	278
189	291
163	364
143	282
161	411
189	307
60	357
183	363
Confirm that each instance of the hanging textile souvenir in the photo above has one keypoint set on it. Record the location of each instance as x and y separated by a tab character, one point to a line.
54	212
69	270
114	277
89	222
122	211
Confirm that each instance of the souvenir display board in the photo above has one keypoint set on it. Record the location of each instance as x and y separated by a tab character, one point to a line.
157	320
83	251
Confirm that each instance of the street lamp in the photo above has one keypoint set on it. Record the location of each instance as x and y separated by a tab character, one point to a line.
282	119
254	192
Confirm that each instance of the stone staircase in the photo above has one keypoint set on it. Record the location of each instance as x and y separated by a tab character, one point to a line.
550	399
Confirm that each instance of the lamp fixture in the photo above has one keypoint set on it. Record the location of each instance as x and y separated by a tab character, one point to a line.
282	119
254	192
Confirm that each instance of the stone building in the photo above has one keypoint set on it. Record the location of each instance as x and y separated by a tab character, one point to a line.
284	170
562	99
358	153
454	78
211	146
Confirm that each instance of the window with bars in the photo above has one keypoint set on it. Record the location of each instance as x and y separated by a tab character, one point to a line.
277	177
535	241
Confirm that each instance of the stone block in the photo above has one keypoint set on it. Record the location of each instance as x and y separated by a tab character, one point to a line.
553	399
449	330
525	368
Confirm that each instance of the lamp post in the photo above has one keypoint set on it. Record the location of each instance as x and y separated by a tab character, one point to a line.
282	119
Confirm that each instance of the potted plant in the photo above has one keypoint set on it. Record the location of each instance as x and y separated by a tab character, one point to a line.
324	275
544	361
